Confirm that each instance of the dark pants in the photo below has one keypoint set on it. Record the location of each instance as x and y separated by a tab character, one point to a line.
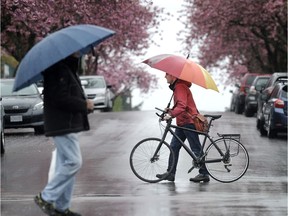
194	143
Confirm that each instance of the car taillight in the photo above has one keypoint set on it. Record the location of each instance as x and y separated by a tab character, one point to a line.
279	104
242	89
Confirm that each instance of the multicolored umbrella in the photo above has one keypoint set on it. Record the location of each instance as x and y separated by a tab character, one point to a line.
183	69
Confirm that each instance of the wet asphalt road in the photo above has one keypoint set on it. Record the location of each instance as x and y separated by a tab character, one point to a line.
106	186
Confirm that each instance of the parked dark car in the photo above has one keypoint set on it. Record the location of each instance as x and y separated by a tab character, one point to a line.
265	93
239	95
251	98
275	111
2	127
24	108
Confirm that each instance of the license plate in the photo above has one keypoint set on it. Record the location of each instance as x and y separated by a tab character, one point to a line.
16	119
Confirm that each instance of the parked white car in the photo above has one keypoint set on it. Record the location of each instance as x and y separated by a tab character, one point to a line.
97	90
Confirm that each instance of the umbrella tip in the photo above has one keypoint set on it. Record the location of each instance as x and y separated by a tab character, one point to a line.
188	56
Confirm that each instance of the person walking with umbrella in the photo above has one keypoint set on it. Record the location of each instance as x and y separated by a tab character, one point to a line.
56	59
65	114
183	110
180	73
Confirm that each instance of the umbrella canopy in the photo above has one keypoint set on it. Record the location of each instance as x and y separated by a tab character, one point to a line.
183	69
55	47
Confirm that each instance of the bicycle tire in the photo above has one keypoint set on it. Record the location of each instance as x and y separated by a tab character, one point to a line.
237	162
142	165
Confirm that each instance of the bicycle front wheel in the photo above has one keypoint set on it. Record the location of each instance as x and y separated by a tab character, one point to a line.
228	167
146	163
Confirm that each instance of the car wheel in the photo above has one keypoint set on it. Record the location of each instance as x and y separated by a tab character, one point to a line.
262	130
248	112
270	132
109	106
39	130
232	107
238	109
2	142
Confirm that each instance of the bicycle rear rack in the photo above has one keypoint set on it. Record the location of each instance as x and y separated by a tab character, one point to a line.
232	136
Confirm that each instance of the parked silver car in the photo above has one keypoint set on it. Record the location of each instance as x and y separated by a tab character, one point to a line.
97	90
24	108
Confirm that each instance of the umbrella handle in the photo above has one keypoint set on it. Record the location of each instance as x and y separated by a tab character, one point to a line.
168	105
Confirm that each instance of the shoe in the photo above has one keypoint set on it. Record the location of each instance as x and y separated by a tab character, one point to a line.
67	212
200	177
170	177
45	206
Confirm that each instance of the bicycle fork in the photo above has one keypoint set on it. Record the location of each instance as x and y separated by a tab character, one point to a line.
156	155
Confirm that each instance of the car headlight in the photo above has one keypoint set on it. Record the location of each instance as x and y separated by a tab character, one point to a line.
38	106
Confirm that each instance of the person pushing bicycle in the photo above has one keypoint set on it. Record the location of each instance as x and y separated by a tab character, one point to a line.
183	110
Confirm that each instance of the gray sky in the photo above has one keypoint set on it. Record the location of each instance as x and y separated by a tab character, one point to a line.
206	100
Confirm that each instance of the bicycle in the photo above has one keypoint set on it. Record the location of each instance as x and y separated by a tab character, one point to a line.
226	159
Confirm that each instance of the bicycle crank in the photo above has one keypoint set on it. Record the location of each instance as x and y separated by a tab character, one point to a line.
226	167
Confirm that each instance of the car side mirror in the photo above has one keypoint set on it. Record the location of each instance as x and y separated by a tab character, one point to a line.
109	86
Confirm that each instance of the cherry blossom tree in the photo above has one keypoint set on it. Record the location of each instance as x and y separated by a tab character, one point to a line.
25	22
251	35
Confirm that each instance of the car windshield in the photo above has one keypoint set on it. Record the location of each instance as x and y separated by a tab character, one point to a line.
7	90
93	83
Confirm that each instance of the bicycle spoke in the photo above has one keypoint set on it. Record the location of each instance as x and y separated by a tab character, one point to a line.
234	163
144	165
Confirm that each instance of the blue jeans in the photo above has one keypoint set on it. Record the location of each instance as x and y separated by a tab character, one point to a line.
59	189
194	143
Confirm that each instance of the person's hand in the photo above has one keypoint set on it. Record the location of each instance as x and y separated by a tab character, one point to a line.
90	105
167	110
167	116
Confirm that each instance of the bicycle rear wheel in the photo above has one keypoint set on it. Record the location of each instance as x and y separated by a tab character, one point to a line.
233	164
145	165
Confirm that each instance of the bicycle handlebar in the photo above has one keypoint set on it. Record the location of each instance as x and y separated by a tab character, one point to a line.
161	116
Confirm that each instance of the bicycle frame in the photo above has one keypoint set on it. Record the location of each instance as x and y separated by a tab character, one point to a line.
206	135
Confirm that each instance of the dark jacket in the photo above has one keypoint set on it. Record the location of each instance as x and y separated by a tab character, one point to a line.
184	106
65	109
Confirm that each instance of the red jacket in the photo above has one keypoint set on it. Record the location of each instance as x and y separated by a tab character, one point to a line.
183	103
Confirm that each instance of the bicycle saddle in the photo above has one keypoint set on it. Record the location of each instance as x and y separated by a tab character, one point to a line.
213	116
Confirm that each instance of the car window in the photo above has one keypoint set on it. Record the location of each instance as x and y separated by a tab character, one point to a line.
94	83
262	81
7	90
250	80
284	92
275	91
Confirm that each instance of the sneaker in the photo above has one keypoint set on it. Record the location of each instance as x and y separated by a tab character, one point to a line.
170	177
45	206
200	177
67	212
